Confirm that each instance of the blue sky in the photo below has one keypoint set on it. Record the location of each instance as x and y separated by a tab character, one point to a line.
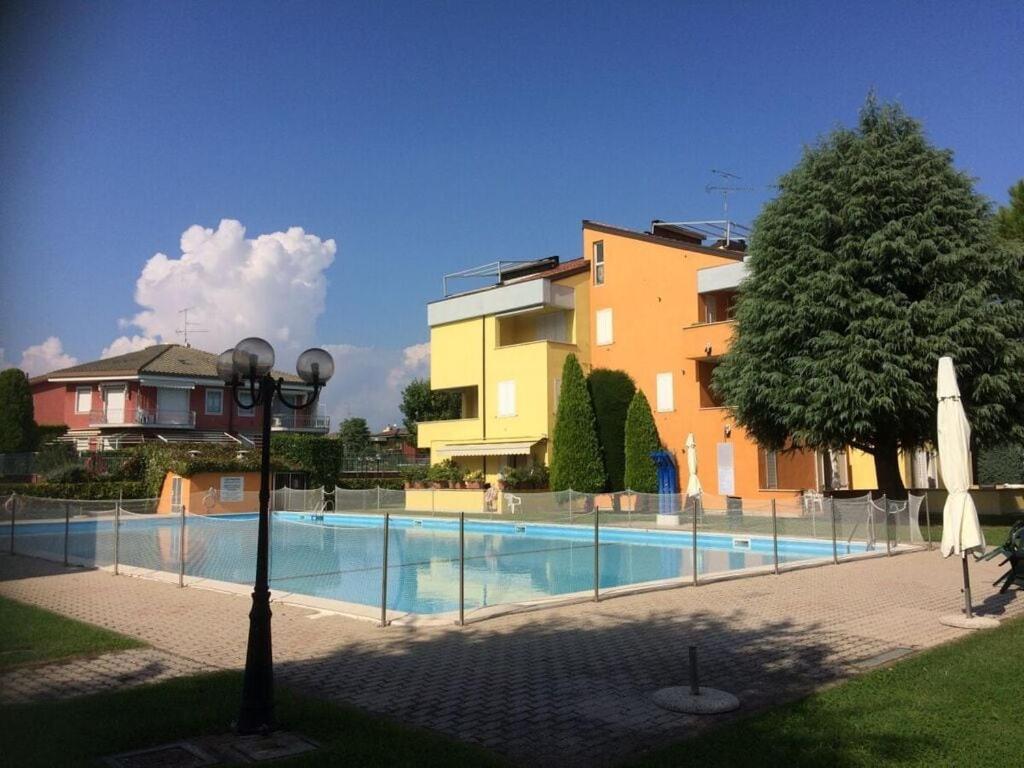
427	137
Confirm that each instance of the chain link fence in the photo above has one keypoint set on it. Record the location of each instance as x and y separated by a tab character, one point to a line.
365	554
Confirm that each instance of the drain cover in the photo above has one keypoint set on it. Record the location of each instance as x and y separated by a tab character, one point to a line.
883	658
177	755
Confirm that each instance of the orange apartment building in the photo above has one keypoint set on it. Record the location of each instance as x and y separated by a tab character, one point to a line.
661	304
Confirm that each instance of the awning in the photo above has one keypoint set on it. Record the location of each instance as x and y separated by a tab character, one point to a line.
520	448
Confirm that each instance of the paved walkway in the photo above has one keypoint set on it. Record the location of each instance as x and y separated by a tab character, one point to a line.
569	685
94	674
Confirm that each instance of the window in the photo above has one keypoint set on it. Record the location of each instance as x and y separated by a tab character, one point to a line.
599	262
507	398
556	394
83	399
244	411
604	326
771	469
666	399
214	402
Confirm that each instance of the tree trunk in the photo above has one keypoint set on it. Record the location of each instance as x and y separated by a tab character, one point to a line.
887	471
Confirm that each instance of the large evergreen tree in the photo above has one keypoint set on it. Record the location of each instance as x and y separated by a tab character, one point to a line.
611	392
641	441
17	414
355	436
1010	218
421	403
576	454
875	259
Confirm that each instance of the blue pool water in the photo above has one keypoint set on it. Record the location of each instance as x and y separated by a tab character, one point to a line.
340	556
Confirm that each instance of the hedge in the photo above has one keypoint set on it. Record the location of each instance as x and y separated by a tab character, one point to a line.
1001	464
611	393
320	457
96	489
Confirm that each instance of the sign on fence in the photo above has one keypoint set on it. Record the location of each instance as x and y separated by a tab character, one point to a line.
232	488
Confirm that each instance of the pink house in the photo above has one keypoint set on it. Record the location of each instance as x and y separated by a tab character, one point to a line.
165	392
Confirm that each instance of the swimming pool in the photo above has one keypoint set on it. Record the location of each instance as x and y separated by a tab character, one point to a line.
339	556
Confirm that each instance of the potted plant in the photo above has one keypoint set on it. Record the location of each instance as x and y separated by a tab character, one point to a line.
414	476
475	480
437	476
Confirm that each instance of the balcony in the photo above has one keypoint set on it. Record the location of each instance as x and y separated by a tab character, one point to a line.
300	421
142	417
446	430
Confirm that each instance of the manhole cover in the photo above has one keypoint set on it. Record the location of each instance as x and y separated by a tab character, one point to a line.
273	746
178	755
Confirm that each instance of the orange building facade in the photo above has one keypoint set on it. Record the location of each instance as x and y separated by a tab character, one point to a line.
661	310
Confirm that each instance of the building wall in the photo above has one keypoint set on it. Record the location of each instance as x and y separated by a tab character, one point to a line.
467	354
49	401
651	289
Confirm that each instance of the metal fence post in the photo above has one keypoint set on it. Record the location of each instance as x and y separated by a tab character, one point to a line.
117	533
67	528
927	519
462	568
570	506
696	511
832	514
888	536
775	538
181	550
384	573
597	554
14	513
433	509
378	498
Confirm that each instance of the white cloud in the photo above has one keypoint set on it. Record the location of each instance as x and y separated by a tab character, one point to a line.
272	286
125	344
45	357
368	381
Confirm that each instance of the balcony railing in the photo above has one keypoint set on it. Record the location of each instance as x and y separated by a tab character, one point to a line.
143	417
317	421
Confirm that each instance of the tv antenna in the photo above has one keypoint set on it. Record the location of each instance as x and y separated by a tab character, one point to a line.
187	326
725	189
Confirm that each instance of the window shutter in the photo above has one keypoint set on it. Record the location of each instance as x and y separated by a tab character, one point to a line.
604	326
665	395
507	398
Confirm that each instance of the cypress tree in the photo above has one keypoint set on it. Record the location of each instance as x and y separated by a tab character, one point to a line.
641	437
611	393
576	456
17	414
876	258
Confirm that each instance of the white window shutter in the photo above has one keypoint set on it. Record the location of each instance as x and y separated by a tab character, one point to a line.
604	326
665	395
507	398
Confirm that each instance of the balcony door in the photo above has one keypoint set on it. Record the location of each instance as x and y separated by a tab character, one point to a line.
172	406
113	405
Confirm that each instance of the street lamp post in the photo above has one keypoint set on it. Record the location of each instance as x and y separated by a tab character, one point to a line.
248	366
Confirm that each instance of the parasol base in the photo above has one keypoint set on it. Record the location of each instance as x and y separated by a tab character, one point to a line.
960	621
710	701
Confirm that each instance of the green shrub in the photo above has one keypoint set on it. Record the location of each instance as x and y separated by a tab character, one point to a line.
416	473
17	416
362	483
95	489
576	456
641	438
1001	464
534	477
319	456
611	392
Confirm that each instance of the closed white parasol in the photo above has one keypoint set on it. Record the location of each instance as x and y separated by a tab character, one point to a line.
961	531
693	484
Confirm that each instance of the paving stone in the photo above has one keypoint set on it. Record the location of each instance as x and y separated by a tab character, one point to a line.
570	685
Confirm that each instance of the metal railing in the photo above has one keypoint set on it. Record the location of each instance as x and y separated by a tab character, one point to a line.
315	421
368	549
146	417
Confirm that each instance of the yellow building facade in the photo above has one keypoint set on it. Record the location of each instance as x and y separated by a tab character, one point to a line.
501	349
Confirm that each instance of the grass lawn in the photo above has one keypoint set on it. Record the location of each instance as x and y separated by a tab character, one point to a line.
30	635
78	731
957	705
